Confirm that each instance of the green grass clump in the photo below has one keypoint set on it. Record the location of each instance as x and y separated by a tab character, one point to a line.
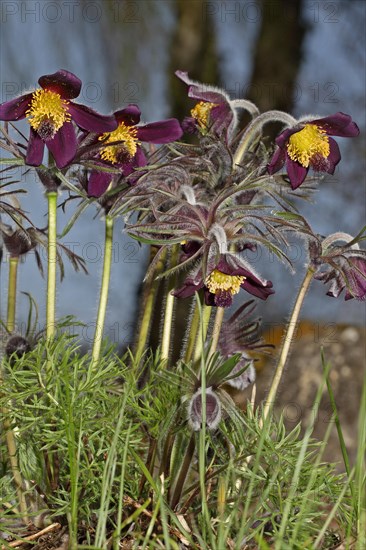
100	450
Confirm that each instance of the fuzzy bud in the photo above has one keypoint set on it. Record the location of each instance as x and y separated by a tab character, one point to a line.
17	345
213	410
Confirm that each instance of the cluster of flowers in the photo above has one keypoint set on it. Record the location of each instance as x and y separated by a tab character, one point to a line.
208	200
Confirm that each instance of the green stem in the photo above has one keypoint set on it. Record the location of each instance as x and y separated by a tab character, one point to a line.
183	471
12	293
52	263
103	298
149	297
13	459
206	314
193	331
217	328
169	308
287	341
9	433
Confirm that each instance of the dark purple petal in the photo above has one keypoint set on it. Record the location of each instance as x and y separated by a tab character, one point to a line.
189	125
221	117
334	156
15	108
35	149
130	115
259	290
90	120
356	279
296	172
98	183
64	145
277	161
190	286
137	161
284	136
62	82
164	131
203	92
338	124
230	265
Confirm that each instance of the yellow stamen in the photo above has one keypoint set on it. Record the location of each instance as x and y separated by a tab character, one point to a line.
201	112
217	281
124	133
307	143
48	108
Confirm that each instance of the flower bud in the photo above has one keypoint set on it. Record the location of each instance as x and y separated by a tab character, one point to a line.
245	378
213	410
18	241
17	345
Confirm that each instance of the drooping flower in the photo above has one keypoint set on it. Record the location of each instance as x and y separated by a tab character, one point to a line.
51	113
345	270
224	280
308	145
122	147
213	112
213	410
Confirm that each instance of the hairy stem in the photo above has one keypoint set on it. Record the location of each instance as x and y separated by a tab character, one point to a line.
149	296
287	341
103	297
193	331
254	129
12	293
169	307
52	263
203	328
217	328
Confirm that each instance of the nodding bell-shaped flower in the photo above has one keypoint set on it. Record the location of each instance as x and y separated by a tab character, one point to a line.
308	145
224	280
213	410
17	241
343	266
212	113
51	113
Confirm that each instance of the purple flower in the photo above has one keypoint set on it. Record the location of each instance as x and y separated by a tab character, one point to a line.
346	271
213	112
50	112
225	279
122	149
309	145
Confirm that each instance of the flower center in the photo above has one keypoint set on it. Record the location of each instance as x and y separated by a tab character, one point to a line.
218	281
310	142
201	112
47	113
121	152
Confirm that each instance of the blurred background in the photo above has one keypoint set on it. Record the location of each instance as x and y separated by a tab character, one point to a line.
297	55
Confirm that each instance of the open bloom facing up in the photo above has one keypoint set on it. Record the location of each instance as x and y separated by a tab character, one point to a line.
50	112
225	279
122	149
309	145
212	112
